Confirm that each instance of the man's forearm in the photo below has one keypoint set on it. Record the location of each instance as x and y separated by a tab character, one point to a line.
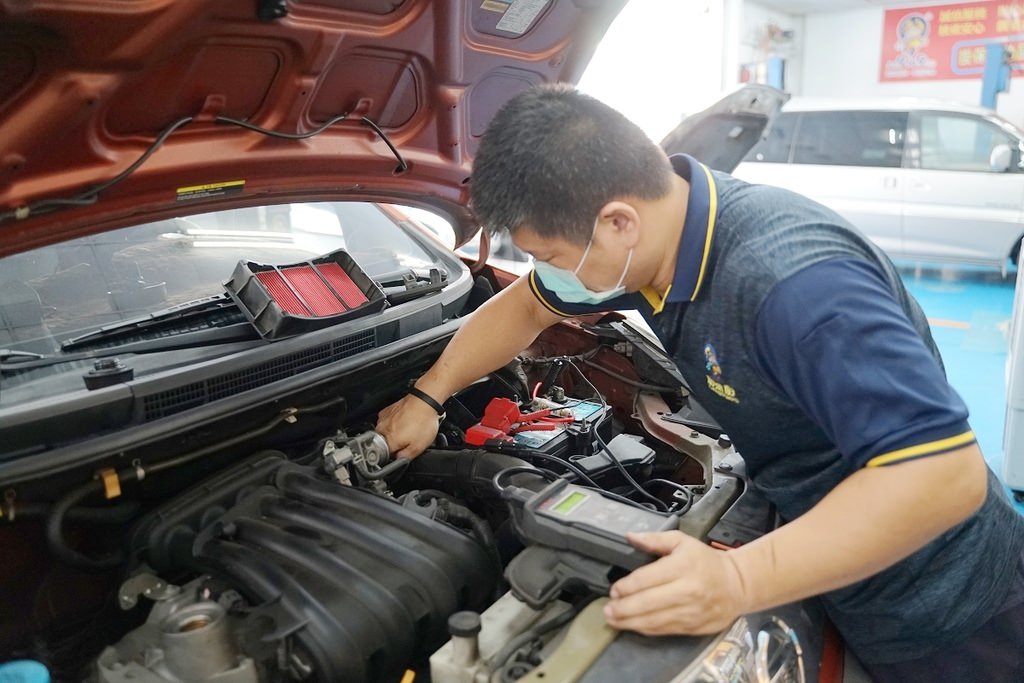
489	339
873	519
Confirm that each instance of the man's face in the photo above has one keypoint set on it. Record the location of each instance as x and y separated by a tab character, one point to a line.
602	268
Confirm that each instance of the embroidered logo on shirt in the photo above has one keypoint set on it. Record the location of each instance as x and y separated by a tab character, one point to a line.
714	375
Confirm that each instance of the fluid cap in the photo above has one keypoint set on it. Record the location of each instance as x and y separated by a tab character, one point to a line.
464	624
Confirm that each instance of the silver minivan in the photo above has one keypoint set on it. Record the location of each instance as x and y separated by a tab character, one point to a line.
926	180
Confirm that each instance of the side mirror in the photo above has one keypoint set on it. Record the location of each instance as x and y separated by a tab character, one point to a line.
1000	158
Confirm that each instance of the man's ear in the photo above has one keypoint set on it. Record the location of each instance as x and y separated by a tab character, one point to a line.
620	222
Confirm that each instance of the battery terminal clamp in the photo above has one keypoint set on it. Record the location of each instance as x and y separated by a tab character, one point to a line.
503	419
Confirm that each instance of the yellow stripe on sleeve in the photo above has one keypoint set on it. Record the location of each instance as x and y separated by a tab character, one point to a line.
929	448
540	297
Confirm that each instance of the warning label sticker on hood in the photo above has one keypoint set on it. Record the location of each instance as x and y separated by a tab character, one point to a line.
520	15
210	190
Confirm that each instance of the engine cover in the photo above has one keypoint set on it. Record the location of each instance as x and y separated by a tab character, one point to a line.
346	583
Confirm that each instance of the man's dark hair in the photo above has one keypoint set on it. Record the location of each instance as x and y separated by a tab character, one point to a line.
552	157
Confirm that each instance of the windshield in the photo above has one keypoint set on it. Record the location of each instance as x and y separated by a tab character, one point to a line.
65	290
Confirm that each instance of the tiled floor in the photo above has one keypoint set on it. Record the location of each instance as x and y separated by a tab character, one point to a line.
969	310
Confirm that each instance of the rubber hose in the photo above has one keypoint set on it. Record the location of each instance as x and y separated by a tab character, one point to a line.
55	531
466	473
115	514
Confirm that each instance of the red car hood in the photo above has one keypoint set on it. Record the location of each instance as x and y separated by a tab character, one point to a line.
87	86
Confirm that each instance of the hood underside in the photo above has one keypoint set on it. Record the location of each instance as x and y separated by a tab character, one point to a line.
87	87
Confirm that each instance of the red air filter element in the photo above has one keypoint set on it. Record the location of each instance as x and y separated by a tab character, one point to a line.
285	300
342	284
281	293
318	296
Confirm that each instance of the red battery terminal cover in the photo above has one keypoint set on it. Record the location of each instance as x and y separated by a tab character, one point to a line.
502	419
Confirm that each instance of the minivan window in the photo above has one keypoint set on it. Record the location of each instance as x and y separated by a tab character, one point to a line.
958	143
775	147
850	138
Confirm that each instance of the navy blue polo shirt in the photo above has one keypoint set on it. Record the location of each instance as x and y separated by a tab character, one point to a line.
882	398
797	335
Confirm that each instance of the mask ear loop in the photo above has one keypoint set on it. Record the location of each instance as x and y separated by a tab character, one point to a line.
589	245
629	258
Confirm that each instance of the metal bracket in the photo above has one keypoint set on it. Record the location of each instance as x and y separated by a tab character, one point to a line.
144	584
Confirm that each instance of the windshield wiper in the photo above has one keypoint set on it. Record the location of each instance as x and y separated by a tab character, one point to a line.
203	322
212	337
406	285
209	313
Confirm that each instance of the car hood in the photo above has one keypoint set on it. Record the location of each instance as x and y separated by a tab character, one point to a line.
87	88
721	135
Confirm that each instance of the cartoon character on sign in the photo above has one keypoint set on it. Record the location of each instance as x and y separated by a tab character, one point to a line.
912	32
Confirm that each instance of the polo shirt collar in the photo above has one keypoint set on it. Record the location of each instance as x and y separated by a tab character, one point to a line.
698	229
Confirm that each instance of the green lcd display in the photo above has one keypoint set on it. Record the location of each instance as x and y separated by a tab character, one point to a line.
570	502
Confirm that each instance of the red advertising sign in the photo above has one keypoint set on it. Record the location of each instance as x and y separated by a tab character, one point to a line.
949	41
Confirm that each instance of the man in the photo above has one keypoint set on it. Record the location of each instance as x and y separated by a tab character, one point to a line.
798	336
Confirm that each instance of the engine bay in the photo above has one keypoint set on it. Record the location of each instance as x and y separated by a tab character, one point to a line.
320	557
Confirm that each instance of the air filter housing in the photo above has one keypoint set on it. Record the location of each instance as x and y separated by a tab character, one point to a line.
282	301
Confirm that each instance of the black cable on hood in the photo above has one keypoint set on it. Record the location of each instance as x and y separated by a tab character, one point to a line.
91	194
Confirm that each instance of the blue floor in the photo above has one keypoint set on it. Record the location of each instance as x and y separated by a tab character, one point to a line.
969	310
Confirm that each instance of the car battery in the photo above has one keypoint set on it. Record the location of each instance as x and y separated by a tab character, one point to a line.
561	429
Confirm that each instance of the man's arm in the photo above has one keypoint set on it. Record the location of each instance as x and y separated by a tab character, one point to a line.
873	519
835	341
490	338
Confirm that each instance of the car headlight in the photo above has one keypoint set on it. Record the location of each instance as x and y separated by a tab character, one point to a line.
771	655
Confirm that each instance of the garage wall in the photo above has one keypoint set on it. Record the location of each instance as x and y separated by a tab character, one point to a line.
753	46
841	53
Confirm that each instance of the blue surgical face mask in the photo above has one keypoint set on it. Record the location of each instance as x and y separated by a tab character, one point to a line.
569	288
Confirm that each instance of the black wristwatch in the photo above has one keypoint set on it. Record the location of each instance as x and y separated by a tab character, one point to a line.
429	400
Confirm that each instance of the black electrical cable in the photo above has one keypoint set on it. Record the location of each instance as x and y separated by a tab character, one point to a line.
678	487
533	453
627	380
402	165
632	482
91	194
623	499
278	134
499	475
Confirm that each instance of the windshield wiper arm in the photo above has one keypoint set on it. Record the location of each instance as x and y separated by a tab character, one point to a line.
210	312
405	285
8	355
210	337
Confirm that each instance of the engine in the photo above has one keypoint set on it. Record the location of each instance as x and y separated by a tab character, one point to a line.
311	576
330	560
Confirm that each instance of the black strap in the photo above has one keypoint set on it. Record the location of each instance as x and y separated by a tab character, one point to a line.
428	399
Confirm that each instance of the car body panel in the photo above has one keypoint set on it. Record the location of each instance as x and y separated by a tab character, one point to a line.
87	88
721	135
969	214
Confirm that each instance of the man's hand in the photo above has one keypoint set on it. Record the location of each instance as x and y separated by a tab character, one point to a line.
409	426
692	589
